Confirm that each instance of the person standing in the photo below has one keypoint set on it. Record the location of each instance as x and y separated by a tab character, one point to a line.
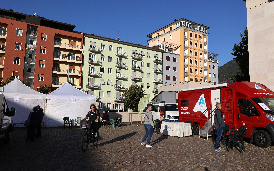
149	125
40	120
219	125
32	125
93	119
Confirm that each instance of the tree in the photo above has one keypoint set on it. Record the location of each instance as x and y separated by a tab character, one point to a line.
132	96
2	83
242	58
44	89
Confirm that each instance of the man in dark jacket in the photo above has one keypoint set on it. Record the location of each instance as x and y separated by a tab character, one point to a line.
32	124
40	120
93	116
219	125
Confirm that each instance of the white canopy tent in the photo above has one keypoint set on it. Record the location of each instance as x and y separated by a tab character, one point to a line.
66	101
23	99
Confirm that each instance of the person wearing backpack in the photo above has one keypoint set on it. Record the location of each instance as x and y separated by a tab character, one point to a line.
31	133
149	125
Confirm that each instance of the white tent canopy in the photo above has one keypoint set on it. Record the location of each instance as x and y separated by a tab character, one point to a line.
23	99
66	101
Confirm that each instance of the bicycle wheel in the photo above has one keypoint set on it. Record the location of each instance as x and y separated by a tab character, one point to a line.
84	143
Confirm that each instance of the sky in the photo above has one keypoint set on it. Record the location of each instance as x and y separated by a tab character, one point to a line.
136	19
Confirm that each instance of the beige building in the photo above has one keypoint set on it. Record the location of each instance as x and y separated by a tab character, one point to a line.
260	25
188	39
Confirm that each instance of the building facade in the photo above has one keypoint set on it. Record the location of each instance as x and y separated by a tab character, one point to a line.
39	51
190	41
213	68
260	25
110	66
171	68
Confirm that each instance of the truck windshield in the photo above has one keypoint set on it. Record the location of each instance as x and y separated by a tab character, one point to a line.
266	104
171	107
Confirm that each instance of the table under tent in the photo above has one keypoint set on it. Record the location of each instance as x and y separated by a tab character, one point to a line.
66	101
23	99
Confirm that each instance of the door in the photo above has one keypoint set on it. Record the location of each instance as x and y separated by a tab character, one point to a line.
228	106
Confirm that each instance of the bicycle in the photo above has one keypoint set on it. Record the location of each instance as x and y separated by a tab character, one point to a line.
89	137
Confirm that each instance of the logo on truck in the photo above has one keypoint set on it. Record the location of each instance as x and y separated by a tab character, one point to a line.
200	105
258	87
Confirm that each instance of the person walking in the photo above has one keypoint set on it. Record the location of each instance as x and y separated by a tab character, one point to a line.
32	125
149	125
93	116
219	125
40	120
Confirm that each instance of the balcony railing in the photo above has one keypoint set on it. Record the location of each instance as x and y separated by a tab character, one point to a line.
94	62
136	78
205	50
155	90
3	32
2	47
186	65
121	54
66	45
136	67
94	74
157	60
186	74
56	69
157	70
31	46
55	83
205	68
94	49
121	76
93	85
118	99
136	56
157	81
119	87
121	65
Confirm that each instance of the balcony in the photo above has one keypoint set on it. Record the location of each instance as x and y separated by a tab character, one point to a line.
118	99
29	46
2	48
56	84
205	60
157	70
93	85
67	46
3	34
185	55
205	51
186	74
121	76
57	70
121	54
157	81
186	65
136	78
155	90
185	37
94	62
94	49
94	74
119	87
121	65
186	46
157	60
205	68
137	56
76	73
136	67
76	60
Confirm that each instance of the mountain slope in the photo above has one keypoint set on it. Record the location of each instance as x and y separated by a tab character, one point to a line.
226	71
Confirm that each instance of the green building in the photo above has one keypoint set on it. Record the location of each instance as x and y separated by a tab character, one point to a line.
110	66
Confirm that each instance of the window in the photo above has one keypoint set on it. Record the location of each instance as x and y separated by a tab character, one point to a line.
190	69
247	108
148	86
201	55
18	46
142	75
109	70
213	67
190	52
174	78
170	37
42	50
174	59
42	63
72	70
201	72
167	58
101	93
109	93
190	61
102	58
201	46
119	50
184	102
167	68
110	47
164	39
196	79
196	71
209	66
196	36
56	54
174	69
190	43
102	46
167	77
102	81
44	36
201	64
196	45
142	85
109	59
71	80
108	105
148	55
118	106
191	79
142	64
16	60
148	75
19	32
40	77
190	34
148	65
102	69
170	28
196	63
195	53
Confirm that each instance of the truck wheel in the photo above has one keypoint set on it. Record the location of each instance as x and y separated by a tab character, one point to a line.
195	128
262	139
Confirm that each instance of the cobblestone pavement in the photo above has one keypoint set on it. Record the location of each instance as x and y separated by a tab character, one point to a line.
120	149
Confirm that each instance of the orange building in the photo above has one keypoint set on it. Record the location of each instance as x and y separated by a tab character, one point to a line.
188	39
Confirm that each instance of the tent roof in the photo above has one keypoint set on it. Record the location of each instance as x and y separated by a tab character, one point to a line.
68	91
17	87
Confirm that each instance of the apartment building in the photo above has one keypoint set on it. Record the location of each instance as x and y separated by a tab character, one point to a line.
111	66
213	68
190	41
39	51
171	68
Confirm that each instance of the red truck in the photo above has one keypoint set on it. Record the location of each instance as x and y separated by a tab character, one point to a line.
243	103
